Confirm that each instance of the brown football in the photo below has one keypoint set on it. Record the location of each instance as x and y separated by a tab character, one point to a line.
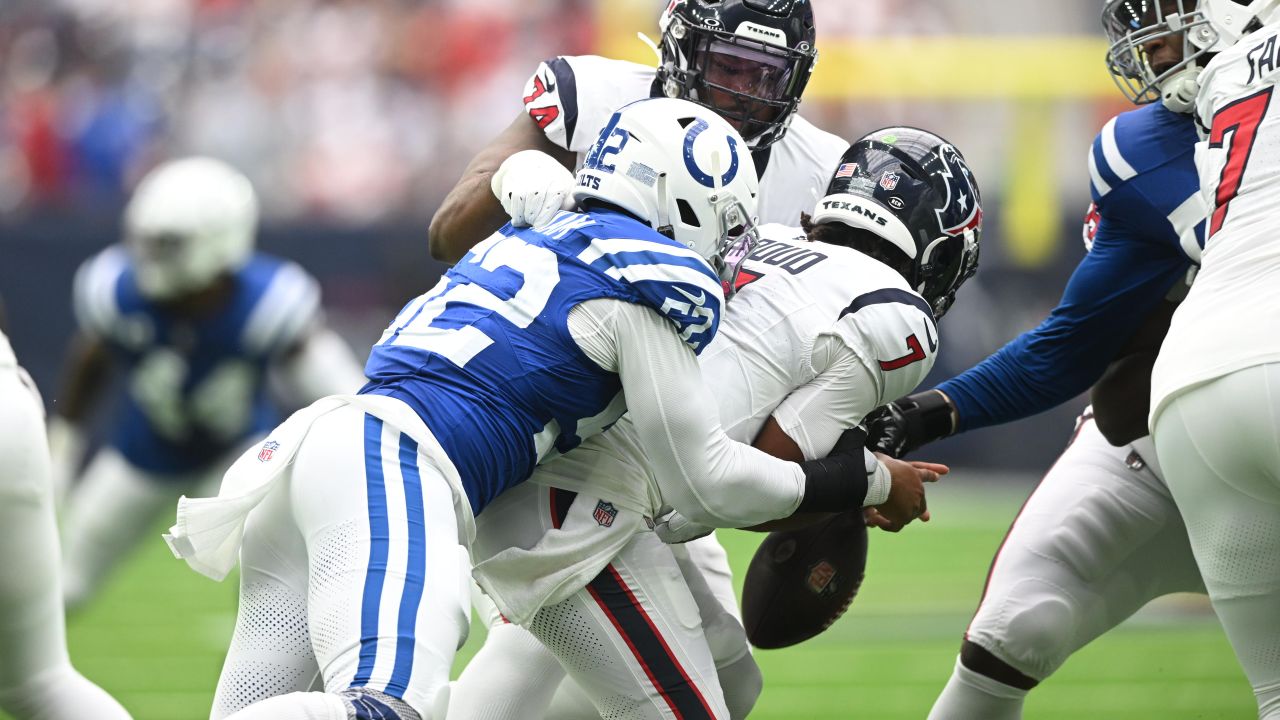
802	581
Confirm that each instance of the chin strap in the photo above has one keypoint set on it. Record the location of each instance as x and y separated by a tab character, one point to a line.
1178	92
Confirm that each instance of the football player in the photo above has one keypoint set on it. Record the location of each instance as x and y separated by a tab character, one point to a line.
354	565
749	60
1100	536
828	322
1216	385
194	320
37	681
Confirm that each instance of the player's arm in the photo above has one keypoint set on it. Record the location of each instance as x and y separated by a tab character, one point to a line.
471	211
709	478
1111	293
319	364
88	367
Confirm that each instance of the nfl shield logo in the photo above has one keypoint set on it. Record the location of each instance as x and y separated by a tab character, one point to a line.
889	181
820	577
605	513
268	449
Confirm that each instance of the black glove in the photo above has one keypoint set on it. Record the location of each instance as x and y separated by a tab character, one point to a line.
837	482
910	422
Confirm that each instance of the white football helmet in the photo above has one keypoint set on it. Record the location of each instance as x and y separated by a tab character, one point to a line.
683	170
188	222
1233	19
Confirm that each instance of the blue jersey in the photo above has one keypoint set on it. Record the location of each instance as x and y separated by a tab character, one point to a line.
195	387
1144	232
486	357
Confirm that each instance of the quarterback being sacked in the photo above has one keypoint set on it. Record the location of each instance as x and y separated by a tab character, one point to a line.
1100	536
37	681
1215	390
354	565
194	318
818	334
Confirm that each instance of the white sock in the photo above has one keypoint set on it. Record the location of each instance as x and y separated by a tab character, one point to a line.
971	696
513	677
295	706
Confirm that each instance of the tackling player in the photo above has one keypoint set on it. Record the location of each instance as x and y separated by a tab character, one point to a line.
37	681
749	60
195	320
539	339
1100	536
828	323
1216	384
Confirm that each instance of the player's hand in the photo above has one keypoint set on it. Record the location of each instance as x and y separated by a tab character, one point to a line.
906	494
532	187
674	529
909	422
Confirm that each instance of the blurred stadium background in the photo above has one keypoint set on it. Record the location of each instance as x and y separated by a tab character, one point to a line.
354	117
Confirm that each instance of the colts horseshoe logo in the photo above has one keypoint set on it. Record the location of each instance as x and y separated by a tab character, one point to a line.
697	128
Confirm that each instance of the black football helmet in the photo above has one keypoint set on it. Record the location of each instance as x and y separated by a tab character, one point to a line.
913	202
1134	27
749	60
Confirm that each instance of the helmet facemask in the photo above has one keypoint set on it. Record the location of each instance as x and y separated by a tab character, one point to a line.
755	84
1133	26
945	266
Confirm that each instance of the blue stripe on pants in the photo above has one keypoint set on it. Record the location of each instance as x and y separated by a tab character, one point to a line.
378	542
415	569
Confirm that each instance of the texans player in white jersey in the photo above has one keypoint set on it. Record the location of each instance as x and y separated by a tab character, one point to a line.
828	322
37	681
1100	536
749	60
359	509
195	320
1215	390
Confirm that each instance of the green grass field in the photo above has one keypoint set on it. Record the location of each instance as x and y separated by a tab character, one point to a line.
156	637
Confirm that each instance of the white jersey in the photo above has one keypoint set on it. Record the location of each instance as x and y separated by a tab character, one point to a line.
572	98
1227	321
816	337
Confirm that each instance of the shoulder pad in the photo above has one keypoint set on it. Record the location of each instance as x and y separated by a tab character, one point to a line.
96	291
894	330
572	97
286	306
665	275
1135	143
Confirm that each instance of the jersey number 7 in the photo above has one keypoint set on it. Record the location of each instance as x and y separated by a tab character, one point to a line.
1240	119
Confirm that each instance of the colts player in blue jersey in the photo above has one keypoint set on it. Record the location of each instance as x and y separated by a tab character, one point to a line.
1100	536
194	319
354	564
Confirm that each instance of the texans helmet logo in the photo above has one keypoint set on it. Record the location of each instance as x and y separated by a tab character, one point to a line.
962	210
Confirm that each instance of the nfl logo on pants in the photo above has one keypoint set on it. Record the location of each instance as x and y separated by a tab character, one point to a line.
268	449
605	513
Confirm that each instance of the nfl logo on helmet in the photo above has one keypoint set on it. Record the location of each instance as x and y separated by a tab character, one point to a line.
268	449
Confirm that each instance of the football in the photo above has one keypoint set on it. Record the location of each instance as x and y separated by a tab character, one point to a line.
801	581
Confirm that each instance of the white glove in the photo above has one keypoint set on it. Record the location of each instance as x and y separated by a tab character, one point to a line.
674	529
532	187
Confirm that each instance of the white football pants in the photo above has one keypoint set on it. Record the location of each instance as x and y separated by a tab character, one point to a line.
1096	540
112	510
351	576
646	639
1220	444
37	681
